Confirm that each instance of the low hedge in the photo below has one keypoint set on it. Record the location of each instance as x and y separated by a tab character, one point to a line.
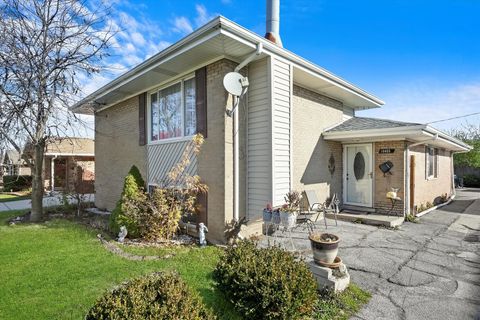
266	283
470	180
156	296
17	183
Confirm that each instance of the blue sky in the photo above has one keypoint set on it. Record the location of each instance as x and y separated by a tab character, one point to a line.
421	57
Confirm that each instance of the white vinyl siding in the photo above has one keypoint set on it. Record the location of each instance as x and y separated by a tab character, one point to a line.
348	113
281	116
259	158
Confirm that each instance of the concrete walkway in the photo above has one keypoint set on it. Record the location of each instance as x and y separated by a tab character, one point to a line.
48	201
425	270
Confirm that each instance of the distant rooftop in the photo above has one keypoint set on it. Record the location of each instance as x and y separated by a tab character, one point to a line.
361	123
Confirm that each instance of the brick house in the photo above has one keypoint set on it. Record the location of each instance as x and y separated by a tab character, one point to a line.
295	128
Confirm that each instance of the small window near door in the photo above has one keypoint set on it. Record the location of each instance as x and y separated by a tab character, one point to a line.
431	162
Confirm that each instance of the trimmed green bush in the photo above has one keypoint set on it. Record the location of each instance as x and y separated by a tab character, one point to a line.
132	188
156	296
266	283
470	180
17	183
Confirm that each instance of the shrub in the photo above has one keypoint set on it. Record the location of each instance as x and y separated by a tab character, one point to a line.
266	283
132	189
156	296
156	216
470	180
17	183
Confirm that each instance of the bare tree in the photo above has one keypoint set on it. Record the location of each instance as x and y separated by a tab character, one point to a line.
46	47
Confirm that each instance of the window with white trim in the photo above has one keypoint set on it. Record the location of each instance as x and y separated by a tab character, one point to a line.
431	162
173	111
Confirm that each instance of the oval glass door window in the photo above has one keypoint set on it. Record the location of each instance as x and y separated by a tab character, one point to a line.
359	166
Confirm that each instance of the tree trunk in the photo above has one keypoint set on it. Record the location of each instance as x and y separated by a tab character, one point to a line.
37	183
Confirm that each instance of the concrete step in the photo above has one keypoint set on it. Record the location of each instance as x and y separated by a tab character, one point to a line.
348	207
370	219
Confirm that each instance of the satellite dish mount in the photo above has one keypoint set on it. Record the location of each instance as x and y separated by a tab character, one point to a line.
236	85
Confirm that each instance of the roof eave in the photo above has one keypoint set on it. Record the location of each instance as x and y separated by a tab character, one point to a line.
422	129
147	64
271	47
238	32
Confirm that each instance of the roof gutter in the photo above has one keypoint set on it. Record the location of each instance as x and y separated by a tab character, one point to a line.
148	64
253	39
424	128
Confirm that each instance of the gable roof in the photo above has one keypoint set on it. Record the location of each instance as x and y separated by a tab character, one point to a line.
362	123
219	38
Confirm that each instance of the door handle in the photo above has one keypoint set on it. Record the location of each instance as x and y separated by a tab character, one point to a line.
371	174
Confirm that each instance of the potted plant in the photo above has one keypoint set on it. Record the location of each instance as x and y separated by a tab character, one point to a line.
324	247
267	213
276	216
289	211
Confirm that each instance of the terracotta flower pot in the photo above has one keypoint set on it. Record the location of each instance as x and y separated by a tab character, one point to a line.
324	247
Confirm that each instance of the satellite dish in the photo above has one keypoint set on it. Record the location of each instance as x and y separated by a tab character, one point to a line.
233	83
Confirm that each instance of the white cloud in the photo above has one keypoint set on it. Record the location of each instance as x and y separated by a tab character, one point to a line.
138	39
425	102
182	25
202	15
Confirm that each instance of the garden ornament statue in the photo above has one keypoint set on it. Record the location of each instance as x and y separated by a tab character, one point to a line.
202	229
122	234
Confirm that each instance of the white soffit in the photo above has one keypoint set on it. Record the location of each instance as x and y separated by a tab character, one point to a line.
322	85
166	70
220	38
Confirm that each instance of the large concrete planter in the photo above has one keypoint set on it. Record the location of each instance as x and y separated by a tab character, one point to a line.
324	247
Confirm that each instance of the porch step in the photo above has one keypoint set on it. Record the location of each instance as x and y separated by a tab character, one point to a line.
370	219
359	209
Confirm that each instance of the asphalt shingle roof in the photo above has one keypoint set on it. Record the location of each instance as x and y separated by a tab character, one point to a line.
361	123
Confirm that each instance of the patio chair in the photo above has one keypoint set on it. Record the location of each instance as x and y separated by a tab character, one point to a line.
314	209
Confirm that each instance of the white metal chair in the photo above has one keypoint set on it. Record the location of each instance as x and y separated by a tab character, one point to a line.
316	208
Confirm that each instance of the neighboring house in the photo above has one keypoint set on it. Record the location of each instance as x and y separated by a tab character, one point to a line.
69	164
14	165
296	130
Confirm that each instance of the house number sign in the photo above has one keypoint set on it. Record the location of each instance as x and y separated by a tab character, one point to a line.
386	150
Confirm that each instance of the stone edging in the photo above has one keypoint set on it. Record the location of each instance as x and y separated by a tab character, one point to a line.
424	212
119	252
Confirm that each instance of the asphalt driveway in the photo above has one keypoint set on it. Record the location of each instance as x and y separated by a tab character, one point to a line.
425	270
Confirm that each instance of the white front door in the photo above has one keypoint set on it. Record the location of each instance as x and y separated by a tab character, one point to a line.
358	175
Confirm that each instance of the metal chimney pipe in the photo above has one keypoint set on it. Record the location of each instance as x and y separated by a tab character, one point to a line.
273	22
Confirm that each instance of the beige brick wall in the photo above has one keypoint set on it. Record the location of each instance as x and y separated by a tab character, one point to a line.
428	190
215	162
383	184
117	149
311	114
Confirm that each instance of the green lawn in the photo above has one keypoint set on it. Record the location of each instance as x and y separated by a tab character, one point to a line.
5	197
58	269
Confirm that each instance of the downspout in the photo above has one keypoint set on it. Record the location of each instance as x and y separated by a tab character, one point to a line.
236	142
407	172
